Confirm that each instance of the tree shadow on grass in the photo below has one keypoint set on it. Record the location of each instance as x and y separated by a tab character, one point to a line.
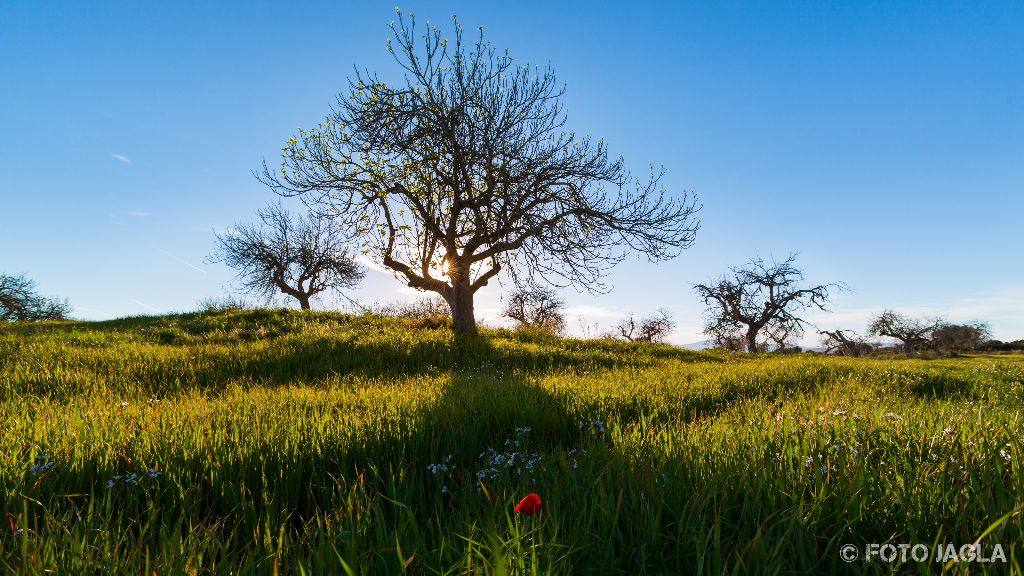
944	386
328	356
471	415
376	480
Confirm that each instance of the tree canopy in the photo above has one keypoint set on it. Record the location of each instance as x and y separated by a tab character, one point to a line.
463	170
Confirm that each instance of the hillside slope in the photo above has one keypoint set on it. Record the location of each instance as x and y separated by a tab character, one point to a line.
249	442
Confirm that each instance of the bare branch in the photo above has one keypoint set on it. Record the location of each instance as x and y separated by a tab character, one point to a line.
19	301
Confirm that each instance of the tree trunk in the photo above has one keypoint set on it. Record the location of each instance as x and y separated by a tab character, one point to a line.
303	302
751	340
461	303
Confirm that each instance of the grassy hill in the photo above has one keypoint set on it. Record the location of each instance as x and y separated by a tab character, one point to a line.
282	442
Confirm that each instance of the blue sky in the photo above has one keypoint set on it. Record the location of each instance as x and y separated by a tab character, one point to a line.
884	141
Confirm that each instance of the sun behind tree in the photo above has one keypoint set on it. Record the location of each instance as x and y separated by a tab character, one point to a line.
465	171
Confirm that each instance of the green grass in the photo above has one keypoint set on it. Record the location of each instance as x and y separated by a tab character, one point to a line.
299	443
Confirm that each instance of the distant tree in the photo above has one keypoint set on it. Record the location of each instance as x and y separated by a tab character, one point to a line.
19	300
288	254
912	333
222	304
959	338
536	307
653	328
1000	346
844	343
463	170
758	303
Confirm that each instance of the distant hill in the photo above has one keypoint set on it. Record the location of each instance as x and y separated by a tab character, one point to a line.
700	345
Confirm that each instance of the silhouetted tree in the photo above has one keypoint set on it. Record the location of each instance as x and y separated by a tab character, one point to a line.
912	333
844	343
20	301
288	254
536	307
653	328
958	338
759	300
463	170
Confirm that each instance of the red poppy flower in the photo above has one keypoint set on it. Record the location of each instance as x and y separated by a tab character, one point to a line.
529	506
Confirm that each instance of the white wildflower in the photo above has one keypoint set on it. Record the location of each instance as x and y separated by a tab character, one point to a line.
41	466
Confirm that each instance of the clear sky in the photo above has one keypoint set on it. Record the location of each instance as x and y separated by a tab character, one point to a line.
882	140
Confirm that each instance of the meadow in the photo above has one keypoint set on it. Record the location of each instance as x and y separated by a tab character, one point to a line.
279	442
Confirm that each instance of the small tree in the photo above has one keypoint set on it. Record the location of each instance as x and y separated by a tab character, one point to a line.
20	301
463	170
536	307
912	333
653	328
759	302
959	338
288	254
844	343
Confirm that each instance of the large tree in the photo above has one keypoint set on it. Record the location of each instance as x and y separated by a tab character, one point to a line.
19	300
760	302
289	254
463	169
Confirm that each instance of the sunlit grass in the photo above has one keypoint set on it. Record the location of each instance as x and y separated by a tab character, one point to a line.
298	442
